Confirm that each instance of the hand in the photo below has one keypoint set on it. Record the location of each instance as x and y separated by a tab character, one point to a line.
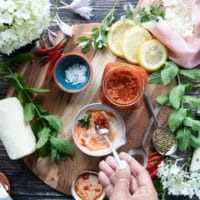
131	183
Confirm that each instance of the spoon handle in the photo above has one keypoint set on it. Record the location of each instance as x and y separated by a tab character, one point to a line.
148	101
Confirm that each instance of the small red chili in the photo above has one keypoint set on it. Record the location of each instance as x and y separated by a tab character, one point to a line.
52	64
153	153
153	164
43	51
156	157
153	174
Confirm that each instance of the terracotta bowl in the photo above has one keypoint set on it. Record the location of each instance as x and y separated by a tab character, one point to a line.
73	73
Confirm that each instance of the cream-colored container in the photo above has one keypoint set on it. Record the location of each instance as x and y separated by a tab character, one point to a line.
16	135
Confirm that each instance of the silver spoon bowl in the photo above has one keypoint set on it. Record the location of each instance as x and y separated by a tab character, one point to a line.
161	135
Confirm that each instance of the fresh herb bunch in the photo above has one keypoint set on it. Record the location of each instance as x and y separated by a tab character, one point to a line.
180	120
149	14
129	9
85	121
44	125
98	38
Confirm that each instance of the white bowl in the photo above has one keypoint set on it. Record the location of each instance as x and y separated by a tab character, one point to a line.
84	185
117	130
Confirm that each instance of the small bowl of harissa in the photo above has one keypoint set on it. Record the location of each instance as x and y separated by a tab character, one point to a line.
85	136
86	186
73	73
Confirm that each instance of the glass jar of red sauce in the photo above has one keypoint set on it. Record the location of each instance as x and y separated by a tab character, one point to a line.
123	85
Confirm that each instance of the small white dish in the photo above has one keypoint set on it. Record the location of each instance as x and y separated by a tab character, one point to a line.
91	143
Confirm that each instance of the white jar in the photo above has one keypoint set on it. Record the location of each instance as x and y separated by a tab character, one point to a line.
15	134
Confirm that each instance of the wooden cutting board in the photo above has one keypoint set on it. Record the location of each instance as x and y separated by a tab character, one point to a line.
59	175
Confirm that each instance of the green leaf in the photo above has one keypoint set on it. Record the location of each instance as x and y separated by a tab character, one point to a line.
3	68
85	121
194	141
155	78
37	127
61	145
45	149
183	138
22	97
84	43
176	118
194	124
163	100
193	101
44	137
176	94
41	109
22	58
53	157
37	90
190	73
29	111
169	72
54	121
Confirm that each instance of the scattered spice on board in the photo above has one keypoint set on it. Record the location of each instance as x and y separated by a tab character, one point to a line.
163	141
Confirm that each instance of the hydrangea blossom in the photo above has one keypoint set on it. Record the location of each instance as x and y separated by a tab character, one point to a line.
21	22
177	181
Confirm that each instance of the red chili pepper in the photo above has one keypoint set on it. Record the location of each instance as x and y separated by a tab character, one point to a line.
43	51
153	174
153	153
156	157
153	164
52	64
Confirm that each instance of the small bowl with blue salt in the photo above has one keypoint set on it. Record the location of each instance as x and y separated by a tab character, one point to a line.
73	73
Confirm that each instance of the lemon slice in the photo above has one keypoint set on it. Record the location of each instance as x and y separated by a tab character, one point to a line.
132	40
152	55
116	33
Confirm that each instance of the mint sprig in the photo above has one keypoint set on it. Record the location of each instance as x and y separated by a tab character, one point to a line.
180	120
44	125
98	38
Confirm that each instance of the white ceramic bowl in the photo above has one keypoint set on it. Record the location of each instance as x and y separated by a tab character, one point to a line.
84	185
117	128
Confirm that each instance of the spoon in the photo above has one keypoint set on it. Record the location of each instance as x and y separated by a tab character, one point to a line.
141	149
104	131
162	135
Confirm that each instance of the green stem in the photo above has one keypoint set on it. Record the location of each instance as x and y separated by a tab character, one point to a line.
179	79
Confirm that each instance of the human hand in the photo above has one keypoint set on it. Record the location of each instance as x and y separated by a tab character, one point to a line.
130	183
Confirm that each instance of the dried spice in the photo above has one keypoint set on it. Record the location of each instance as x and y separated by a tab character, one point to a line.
163	140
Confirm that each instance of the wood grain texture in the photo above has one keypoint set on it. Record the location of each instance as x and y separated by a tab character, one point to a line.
60	174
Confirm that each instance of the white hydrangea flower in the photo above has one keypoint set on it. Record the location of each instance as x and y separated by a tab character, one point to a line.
177	181
21	22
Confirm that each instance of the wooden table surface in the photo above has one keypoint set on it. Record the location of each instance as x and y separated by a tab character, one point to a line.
24	184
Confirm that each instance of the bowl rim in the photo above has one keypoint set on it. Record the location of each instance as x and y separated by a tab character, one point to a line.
73	192
89	66
103	152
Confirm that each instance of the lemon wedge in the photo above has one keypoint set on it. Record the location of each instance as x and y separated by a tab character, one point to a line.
132	40
115	35
152	55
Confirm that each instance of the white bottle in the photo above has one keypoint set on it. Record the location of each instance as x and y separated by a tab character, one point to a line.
16	135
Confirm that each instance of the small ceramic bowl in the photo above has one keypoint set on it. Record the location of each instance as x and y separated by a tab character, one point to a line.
88	140
73	73
86	186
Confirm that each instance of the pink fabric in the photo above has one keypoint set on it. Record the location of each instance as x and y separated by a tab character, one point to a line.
185	51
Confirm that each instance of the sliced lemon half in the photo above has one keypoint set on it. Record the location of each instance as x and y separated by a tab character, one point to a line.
132	40
152	55
115	35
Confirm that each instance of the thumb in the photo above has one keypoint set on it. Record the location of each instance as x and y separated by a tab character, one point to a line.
121	184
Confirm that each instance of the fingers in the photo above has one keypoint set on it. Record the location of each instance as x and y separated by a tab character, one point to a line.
138	171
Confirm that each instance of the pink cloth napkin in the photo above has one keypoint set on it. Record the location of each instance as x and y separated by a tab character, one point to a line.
185	51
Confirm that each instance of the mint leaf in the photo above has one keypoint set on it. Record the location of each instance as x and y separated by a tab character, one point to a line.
84	43
194	124
44	137
193	101
163	100
37	90
63	146
85	121
190	73
176	95
183	138
22	58
37	127
155	78
176	118
45	149
53	156
169	72
194	141
54	121
29	111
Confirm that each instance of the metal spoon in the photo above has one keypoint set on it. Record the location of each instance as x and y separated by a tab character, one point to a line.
104	131
160	130
141	149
